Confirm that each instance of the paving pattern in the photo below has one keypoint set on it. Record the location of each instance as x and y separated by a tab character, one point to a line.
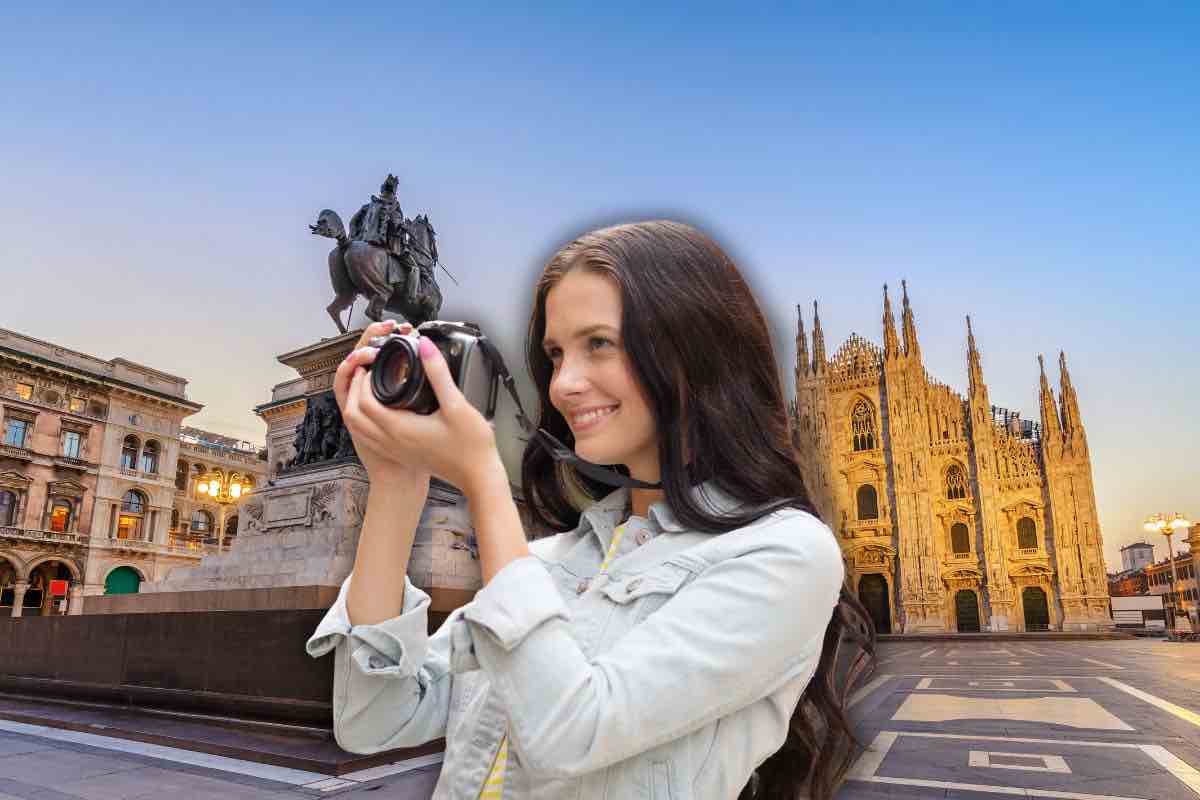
1071	720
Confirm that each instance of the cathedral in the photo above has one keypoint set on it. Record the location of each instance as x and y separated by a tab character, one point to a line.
953	514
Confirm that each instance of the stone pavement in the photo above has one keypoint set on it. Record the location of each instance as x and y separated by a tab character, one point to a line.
1093	720
1097	720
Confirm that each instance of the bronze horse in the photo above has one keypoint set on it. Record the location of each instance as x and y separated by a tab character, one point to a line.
357	267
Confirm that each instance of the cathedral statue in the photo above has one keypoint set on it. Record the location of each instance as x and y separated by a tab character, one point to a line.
386	257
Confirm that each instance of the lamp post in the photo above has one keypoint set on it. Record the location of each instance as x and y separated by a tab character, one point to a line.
1167	525
224	491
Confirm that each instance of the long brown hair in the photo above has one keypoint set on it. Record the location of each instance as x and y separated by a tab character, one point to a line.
695	334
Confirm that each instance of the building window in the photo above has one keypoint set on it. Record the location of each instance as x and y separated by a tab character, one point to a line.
133	502
15	431
78	404
202	521
8	507
181	476
72	444
150	457
1026	533
60	516
24	391
231	526
960	539
129	523
868	502
174	519
956	483
129	453
862	422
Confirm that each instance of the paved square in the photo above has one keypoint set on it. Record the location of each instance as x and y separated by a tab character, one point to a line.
1090	720
1099	720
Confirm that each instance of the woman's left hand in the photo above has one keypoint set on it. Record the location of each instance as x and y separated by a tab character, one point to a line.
456	442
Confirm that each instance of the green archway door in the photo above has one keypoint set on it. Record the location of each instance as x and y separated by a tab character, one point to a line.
122	580
966	610
1037	610
872	592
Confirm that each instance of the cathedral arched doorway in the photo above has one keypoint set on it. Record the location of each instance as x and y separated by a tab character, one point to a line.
1037	609
966	611
873	593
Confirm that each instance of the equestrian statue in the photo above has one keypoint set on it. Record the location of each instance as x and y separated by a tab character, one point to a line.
386	258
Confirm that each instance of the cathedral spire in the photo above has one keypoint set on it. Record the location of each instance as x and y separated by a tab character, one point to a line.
802	363
1066	392
974	365
891	347
1051	427
911	346
818	365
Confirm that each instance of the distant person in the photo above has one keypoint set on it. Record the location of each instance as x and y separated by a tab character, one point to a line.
679	636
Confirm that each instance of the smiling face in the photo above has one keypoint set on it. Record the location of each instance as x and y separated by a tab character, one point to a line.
593	385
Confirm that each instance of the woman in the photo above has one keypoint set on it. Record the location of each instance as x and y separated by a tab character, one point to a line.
680	637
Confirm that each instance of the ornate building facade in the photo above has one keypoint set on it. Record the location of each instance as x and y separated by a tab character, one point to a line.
91	497
953	514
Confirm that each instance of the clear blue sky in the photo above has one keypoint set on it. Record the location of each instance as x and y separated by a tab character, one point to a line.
1035	167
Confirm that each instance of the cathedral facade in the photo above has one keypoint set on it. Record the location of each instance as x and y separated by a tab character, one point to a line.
953	514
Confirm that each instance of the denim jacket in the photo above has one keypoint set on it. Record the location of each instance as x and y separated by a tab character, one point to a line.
672	677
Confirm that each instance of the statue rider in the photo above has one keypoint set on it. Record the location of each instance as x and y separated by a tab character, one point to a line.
381	222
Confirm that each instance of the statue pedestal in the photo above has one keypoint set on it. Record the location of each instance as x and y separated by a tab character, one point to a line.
302	531
298	540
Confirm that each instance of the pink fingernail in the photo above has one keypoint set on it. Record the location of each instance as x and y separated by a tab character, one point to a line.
426	347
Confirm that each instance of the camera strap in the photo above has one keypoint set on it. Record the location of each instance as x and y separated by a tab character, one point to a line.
557	450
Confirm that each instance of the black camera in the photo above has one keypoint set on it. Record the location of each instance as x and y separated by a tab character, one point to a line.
398	377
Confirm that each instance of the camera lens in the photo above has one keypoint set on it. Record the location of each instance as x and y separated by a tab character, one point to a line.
396	371
396	375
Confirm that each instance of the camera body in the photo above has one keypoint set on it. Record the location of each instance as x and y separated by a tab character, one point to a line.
398	378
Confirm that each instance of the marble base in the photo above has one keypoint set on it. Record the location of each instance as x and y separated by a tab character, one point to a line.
302	533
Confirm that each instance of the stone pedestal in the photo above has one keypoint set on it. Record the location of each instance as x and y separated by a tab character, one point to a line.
297	541
302	531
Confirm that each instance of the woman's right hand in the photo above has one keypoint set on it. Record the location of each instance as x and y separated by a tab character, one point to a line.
352	378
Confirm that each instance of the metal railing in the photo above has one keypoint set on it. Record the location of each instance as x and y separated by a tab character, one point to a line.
143	546
71	461
1029	551
12	451
38	535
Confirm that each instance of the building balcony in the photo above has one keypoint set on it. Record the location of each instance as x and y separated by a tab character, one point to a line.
12	451
68	462
143	546
1028	554
37	535
880	526
962	558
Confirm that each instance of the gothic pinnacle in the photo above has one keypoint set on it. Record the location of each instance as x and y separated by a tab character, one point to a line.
891	347
974	365
818	365
803	365
1051	426
1067	396
911	347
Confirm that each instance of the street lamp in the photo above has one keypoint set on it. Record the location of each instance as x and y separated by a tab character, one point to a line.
1167	525
224	491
